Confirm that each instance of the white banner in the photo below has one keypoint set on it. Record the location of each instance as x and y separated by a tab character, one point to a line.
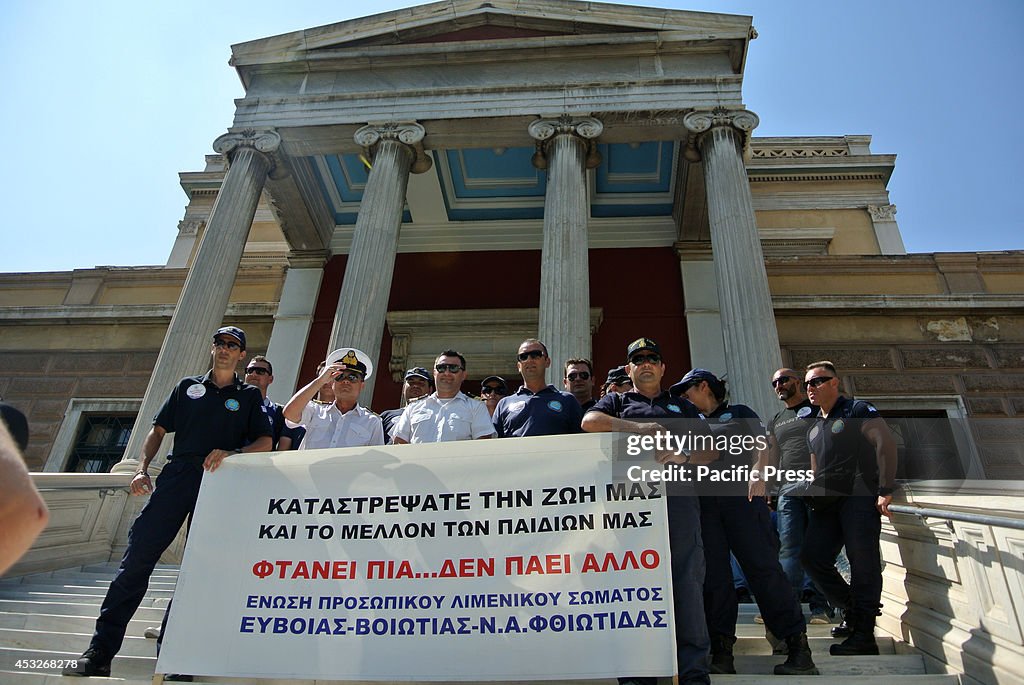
513	559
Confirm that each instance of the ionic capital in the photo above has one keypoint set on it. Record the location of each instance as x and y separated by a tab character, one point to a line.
410	134
267	142
585	128
700	122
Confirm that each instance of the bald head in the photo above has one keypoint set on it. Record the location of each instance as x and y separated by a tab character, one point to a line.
787	384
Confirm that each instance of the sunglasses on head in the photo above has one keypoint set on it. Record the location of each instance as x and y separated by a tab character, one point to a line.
817	380
496	389
582	375
532	354
350	376
638	359
451	368
781	380
258	370
230	344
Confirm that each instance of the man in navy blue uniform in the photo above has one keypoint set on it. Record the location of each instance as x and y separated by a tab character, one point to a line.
259	372
853	455
537	408
212	417
733	519
638	411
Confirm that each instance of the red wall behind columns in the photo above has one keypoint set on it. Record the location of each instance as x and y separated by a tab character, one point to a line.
639	289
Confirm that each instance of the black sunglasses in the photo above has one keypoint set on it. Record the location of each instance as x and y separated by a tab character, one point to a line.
258	370
781	380
532	354
453	368
817	380
582	375
350	376
639	359
497	389
230	344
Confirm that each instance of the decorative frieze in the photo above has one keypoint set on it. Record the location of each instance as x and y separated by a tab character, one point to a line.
797	152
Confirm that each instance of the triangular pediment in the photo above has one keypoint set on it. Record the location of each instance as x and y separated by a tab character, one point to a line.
460	21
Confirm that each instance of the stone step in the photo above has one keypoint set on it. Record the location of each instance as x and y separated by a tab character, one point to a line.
84	582
70	609
819	645
69	641
882	665
757	630
158	598
59	623
124	666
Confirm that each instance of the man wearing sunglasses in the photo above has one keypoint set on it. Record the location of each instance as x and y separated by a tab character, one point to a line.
446	414
492	389
212	417
536	408
417	383
853	455
342	423
617	380
259	372
579	381
638	411
787	449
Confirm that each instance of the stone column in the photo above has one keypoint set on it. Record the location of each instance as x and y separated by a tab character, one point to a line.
204	297
292	322
883	220
566	147
395	150
748	322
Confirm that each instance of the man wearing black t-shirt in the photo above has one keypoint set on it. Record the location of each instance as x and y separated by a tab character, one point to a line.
212	417
787	435
853	455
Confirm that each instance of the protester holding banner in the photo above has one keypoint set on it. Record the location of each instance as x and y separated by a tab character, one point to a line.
636	411
447	413
537	408
733	522
342	423
212	417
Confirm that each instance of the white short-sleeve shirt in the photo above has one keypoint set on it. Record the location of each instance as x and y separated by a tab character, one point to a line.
442	420
326	426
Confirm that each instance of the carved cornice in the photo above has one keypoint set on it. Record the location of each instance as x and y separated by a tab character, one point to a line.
882	212
700	122
410	134
585	128
267	142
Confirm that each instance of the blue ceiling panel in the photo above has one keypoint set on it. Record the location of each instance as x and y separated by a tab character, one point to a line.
635	168
485	184
342	180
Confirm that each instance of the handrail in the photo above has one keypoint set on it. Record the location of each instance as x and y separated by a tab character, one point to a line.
964	516
81	481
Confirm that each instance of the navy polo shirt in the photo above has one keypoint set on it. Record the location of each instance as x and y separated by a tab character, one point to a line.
634	405
847	462
548	411
204	417
733	422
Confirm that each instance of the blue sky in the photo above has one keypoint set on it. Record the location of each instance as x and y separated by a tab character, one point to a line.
105	102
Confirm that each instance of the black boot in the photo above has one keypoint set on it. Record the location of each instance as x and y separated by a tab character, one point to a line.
862	636
843	629
798	661
721	654
93	663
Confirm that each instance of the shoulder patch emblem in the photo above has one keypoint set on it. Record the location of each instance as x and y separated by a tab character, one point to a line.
838	427
804	412
726	416
231	404
196	390
555	405
674	408
516	406
814	433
